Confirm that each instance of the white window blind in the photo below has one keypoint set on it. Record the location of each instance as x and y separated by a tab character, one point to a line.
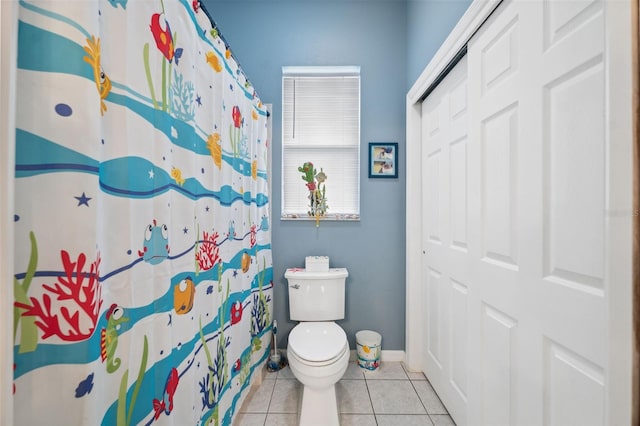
321	124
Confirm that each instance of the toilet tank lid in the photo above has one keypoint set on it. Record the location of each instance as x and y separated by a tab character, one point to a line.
302	274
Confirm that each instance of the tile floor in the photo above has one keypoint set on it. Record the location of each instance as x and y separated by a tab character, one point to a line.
389	396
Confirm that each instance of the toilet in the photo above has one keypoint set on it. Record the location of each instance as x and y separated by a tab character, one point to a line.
318	351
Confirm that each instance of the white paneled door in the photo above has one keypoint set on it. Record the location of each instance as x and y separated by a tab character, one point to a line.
445	207
521	174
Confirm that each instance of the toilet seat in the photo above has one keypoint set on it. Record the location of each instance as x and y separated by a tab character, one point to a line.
318	343
292	354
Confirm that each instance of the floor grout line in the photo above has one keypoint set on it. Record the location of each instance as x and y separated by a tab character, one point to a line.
369	381
421	402
273	390
373	410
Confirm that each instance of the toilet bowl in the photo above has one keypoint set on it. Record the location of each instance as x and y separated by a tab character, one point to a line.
318	354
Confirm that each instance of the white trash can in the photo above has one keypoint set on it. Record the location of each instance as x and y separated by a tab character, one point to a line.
368	347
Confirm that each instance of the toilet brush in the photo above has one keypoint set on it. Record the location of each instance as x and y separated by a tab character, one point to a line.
276	362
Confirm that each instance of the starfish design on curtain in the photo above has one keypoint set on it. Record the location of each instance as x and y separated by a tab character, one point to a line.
83	200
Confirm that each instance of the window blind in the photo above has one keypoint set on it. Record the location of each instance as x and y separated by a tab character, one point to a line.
321	124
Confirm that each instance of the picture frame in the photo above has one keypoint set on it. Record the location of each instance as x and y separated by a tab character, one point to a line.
383	159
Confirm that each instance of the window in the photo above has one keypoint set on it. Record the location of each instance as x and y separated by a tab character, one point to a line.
321	124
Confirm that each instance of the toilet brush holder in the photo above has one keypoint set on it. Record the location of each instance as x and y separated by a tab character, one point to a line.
276	360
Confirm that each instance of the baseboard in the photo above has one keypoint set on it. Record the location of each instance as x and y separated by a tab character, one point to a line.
385	355
259	374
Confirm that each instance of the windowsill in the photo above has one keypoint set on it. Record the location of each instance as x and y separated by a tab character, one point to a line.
331	217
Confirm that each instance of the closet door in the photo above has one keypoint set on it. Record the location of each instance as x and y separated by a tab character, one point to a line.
538	202
523	258
445	242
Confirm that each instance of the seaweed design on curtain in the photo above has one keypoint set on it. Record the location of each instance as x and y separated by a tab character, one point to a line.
143	275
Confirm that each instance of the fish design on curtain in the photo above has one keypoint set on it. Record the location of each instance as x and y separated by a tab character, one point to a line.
143	271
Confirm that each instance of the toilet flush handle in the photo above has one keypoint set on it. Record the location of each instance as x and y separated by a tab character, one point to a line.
296	286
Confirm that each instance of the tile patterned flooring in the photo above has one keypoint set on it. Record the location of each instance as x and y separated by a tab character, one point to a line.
389	396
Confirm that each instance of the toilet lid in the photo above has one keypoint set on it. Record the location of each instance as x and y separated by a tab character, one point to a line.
317	341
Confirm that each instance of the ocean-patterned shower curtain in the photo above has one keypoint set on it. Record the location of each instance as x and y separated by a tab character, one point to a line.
143	271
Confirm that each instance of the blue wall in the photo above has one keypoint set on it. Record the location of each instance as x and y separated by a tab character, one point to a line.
266	35
429	22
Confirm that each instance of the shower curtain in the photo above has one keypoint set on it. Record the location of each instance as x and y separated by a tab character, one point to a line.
143	271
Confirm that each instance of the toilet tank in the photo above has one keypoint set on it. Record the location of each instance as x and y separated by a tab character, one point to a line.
316	296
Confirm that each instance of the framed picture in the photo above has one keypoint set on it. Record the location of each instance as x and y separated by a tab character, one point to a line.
383	160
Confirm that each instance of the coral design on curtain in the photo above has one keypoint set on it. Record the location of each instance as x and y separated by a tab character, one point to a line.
143	279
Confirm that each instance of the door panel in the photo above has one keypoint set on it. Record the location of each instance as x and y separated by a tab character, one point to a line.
517	185
458	194
575	388
458	349
498	366
435	306
574	140
445	239
498	187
